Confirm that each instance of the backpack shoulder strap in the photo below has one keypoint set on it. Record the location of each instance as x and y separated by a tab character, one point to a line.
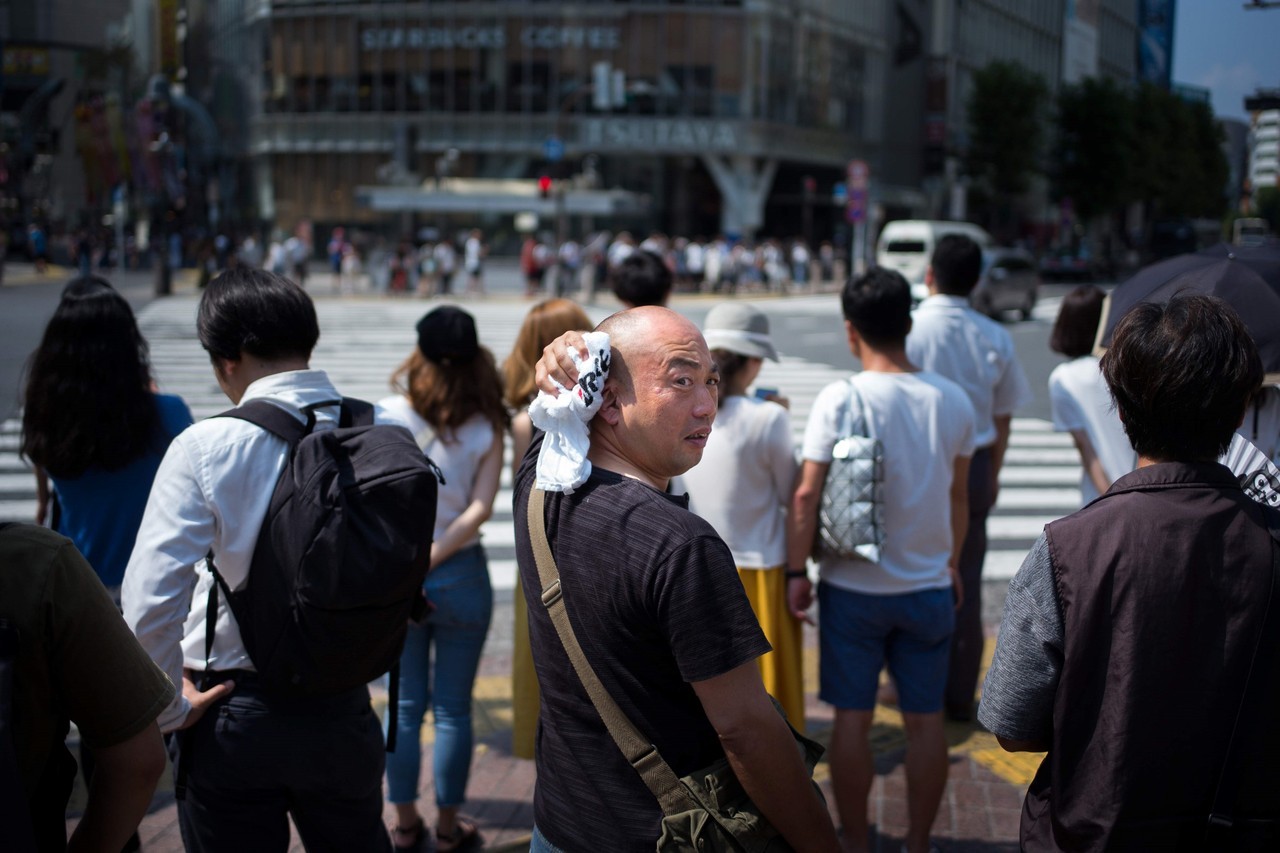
274	419
355	413
642	755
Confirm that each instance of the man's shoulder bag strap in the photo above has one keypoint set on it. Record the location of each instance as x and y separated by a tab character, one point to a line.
643	756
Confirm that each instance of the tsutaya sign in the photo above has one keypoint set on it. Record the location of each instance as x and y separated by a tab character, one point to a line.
660	134
548	37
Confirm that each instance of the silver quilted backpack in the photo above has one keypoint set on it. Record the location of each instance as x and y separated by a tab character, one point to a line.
850	515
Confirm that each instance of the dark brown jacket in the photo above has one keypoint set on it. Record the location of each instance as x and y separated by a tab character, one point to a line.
1162	583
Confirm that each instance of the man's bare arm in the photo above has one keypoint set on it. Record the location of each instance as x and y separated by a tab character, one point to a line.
959	522
802	527
124	780
765	757
1009	744
1004	423
1089	459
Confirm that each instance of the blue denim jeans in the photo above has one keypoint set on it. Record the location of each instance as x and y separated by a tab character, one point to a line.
455	630
539	843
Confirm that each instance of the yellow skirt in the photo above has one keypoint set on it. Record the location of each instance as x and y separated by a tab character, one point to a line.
783	668
524	684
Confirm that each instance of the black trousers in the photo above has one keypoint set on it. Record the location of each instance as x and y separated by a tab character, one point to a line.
252	761
967	641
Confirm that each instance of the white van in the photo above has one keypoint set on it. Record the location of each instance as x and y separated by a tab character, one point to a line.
906	245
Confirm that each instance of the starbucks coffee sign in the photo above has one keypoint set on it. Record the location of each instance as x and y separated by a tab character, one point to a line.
538	37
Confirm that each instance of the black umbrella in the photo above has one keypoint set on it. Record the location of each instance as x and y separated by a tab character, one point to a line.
1264	260
1228	278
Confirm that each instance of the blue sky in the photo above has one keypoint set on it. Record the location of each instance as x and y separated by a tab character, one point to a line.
1220	45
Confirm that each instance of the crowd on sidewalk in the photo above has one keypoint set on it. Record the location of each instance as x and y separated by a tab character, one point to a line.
223	592
442	264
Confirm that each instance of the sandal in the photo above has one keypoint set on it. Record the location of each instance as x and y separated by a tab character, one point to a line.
412	835
464	835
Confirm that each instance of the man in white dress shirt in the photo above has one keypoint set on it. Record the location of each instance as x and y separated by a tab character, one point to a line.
247	761
951	339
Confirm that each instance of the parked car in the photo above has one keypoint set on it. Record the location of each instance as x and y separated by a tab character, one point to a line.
1066	265
1009	282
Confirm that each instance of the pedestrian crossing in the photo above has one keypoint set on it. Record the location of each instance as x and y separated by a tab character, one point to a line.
363	341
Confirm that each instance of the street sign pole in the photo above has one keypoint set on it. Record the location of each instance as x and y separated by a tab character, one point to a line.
858	176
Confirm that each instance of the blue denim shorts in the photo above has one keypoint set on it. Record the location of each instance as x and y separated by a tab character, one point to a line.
858	634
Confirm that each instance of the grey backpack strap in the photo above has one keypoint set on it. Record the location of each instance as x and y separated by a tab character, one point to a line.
642	755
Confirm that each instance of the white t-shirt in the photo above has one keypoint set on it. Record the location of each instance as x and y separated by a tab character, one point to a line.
743	483
471	253
925	422
951	339
458	459
446	258
693	257
1079	399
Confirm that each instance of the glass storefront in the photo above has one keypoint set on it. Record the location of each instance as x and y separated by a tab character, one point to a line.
333	85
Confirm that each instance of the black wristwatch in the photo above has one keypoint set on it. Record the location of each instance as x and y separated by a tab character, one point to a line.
796	574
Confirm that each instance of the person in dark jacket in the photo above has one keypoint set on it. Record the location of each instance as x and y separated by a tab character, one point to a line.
1130	632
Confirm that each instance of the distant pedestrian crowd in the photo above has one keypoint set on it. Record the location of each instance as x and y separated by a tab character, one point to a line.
222	592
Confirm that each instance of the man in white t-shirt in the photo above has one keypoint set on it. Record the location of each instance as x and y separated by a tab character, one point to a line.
473	252
948	337
899	610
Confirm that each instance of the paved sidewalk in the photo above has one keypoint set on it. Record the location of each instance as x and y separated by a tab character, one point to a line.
979	812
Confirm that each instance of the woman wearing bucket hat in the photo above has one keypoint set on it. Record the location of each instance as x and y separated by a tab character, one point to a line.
743	485
451	400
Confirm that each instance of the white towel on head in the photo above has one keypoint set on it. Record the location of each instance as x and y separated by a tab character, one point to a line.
562	460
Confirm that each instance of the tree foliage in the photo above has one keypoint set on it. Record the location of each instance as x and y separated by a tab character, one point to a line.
1094	147
1114	146
1180	169
1005	127
1266	205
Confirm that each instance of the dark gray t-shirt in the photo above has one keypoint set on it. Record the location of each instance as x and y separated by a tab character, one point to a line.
655	602
1017	697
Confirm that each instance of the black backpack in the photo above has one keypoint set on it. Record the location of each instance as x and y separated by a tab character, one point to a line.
339	563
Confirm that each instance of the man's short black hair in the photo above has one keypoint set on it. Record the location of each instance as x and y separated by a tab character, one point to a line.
641	279
878	305
1181	375
255	312
957	264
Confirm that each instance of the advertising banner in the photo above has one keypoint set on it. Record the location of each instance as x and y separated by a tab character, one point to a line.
1155	41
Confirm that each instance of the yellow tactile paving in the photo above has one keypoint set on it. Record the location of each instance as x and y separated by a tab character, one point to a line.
492	714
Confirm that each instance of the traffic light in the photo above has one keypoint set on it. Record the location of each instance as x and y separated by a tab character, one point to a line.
544	186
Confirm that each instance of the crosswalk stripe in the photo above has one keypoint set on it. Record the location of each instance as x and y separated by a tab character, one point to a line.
362	343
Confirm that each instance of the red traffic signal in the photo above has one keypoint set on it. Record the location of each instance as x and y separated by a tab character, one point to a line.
544	186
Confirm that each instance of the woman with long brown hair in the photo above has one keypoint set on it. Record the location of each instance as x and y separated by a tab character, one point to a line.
450	398
545	322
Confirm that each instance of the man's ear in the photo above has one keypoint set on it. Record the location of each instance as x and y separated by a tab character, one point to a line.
225	367
610	408
854	339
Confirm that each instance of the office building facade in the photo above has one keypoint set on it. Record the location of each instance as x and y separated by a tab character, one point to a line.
726	116
717	111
